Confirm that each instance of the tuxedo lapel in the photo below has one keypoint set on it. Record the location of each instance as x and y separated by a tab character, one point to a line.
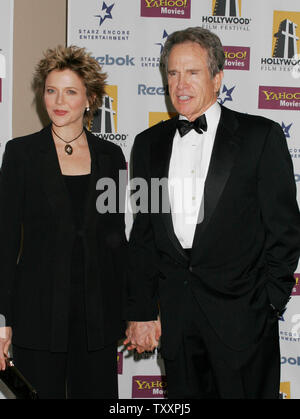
224	151
161	150
160	162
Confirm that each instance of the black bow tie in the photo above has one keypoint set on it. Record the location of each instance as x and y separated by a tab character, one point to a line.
199	125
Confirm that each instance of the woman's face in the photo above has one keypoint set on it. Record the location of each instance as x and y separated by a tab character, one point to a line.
65	98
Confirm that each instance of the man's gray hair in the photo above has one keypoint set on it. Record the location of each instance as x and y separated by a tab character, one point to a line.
205	38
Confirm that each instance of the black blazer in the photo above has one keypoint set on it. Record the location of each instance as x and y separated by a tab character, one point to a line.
35	206
244	252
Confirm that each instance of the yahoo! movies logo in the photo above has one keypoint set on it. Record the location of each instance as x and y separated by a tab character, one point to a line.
237	58
296	288
120	362
226	15
284	53
281	98
149	387
166	8
105	122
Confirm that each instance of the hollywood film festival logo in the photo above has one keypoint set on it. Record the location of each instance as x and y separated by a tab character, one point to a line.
285	390
285	58
101	24
105	121
226	15
285	44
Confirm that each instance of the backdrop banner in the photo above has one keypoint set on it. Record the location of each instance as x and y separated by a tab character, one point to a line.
6	52
262	76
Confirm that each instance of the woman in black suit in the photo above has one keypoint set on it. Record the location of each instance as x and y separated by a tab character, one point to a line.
61	291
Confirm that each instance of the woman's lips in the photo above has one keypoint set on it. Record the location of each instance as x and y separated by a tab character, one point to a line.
60	112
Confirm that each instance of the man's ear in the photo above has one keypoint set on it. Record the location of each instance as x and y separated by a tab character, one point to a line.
218	81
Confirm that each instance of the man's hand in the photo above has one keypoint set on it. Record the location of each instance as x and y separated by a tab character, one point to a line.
143	336
5	341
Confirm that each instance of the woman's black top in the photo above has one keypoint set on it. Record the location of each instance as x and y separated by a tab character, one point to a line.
77	187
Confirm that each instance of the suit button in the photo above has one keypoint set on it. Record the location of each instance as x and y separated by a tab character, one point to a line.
185	282
190	268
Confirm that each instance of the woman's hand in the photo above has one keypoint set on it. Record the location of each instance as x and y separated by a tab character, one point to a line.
5	341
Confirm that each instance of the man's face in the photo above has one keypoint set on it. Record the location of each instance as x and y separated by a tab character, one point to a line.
191	88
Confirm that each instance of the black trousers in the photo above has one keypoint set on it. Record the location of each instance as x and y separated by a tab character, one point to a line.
73	375
78	373
204	368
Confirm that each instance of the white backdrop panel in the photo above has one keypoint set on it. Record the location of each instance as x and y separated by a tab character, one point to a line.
126	39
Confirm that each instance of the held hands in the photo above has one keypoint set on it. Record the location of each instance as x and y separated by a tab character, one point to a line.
5	341
143	336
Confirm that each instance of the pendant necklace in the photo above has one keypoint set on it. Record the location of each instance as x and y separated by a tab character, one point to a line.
68	147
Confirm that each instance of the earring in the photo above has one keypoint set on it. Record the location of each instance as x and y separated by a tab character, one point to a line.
87	109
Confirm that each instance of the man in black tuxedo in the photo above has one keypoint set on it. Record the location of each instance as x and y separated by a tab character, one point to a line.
219	265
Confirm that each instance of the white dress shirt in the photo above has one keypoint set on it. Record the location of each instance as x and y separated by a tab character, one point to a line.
187	173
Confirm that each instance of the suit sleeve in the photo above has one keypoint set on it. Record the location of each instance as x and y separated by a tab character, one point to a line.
280	214
11	181
142	276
